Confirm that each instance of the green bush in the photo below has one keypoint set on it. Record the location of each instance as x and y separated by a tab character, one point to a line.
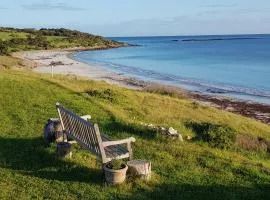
106	94
116	164
3	48
219	136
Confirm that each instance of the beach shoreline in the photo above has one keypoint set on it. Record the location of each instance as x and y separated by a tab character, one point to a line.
69	66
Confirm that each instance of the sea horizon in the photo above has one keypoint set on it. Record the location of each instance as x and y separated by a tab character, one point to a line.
188	35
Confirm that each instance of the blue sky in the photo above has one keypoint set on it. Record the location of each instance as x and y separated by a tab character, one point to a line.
141	17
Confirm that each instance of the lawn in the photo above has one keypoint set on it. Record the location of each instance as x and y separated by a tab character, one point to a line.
189	170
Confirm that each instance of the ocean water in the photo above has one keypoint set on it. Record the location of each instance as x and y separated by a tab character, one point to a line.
236	66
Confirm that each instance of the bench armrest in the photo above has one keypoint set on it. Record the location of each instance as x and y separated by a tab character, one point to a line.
124	141
86	117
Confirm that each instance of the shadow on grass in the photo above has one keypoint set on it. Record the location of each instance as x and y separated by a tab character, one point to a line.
115	127
198	128
191	191
31	157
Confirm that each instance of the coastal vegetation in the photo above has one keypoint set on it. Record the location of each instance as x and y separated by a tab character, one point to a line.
193	169
12	40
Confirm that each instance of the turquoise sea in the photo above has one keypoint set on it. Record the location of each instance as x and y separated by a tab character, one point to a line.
230	65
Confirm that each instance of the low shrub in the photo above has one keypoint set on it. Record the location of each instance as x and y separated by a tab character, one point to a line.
219	136
106	94
116	164
265	142
166	90
195	105
198	127
3	48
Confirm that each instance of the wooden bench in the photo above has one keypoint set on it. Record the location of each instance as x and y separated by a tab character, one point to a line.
88	136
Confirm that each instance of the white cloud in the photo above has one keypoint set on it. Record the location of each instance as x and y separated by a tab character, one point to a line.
220	6
51	6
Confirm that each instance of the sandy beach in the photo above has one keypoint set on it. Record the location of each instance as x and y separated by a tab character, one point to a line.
67	66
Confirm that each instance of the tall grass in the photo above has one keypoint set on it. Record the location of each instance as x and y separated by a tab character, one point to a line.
8	62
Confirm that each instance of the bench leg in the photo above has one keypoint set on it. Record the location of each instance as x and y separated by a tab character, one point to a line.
130	151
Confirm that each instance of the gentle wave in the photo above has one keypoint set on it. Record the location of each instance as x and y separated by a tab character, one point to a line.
217	39
203	86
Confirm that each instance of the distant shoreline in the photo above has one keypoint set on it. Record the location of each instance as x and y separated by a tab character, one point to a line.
71	67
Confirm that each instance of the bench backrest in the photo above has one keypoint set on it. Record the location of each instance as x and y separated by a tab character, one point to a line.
81	130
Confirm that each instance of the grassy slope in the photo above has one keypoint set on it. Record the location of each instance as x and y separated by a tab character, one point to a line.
53	42
10	35
8	62
189	170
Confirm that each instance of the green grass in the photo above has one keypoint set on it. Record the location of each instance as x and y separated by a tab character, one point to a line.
10	35
60	42
190	170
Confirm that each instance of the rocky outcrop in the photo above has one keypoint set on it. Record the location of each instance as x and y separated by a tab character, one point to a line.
168	132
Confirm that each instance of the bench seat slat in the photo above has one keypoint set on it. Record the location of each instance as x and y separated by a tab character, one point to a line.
120	147
114	151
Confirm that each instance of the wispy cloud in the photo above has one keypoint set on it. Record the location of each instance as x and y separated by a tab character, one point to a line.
51	6
251	10
220	6
208	12
233	11
3	8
